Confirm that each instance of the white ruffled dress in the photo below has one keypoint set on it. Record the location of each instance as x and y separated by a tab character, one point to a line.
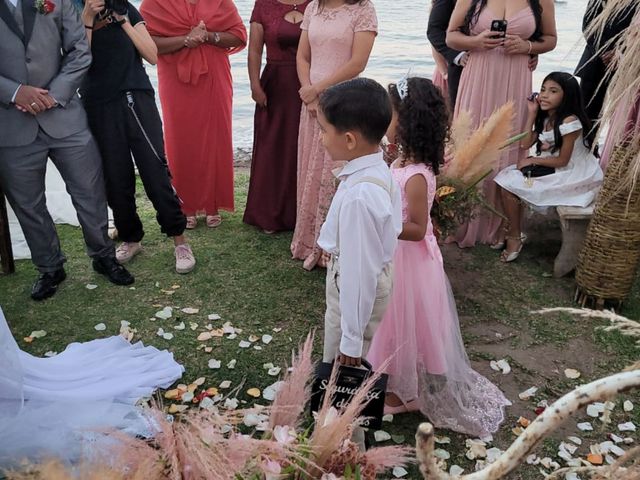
574	185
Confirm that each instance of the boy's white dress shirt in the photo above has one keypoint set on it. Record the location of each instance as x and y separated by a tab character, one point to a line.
361	230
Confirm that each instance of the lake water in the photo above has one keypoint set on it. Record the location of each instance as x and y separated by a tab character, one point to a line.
402	45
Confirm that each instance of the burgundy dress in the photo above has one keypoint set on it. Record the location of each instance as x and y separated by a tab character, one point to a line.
271	202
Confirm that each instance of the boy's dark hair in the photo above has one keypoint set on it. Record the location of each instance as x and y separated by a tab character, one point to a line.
572	104
423	122
360	104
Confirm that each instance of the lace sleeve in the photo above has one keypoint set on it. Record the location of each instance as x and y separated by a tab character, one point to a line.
567	128
366	19
256	15
310	10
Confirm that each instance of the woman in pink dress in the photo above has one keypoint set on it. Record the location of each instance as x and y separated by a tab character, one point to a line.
497	72
336	41
420	332
195	39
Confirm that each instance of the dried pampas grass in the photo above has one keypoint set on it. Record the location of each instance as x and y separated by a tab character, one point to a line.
479	153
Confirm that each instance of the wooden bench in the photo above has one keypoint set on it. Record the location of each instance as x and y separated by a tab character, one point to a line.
573	223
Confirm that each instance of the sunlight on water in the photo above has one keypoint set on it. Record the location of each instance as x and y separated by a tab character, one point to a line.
400	46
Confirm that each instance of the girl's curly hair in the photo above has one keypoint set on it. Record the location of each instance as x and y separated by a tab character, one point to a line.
423	122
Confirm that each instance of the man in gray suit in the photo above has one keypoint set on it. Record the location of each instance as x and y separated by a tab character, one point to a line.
44	55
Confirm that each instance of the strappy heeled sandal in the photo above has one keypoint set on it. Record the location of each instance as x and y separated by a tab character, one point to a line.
192	222
500	245
214	221
507	256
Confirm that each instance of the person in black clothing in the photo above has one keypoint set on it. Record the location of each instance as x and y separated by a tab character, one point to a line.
439	17
125	121
594	67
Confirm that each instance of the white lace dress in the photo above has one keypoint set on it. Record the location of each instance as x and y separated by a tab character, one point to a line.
574	185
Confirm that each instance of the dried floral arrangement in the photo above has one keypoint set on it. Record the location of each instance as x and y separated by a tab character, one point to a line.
472	158
208	443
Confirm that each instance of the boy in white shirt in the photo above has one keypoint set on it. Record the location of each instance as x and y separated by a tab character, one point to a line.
364	219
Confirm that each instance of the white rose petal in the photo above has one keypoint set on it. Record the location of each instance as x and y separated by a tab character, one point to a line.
381	436
576	440
627	406
585	427
190	311
493	454
441	453
232	363
244	344
527	394
257	347
213	316
180	326
207	403
225	384
387	418
572	373
501	365
266	339
91	286
213	363
399	472
165	313
616	450
627	427
456	470
274	372
167	336
50	353
187	397
594	410
100	327
231	403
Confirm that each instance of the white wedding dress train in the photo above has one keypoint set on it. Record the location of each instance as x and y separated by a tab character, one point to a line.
63	406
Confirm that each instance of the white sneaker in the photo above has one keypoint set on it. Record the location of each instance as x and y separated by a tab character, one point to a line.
127	250
185	261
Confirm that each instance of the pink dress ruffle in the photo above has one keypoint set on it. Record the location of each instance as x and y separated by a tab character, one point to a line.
421	333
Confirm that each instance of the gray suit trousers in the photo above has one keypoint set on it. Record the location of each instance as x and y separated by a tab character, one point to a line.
22	175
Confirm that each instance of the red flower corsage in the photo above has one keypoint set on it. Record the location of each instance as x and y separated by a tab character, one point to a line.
44	7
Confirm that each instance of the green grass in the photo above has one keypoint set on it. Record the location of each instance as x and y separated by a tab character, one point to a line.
250	280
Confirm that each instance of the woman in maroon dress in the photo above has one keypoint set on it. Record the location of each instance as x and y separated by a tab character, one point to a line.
271	203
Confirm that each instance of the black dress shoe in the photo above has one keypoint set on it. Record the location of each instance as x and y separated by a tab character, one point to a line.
47	284
110	268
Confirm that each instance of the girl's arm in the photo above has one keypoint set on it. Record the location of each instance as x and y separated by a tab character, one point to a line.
562	160
417	192
362	45
303	60
254	62
462	42
142	40
532	111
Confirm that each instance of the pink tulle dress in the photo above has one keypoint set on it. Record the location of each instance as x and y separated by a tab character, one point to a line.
421	333
490	79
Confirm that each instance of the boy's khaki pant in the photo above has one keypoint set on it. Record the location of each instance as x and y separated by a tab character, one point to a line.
332	316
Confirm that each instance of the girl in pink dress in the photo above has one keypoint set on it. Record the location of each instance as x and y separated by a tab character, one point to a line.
337	38
497	72
429	369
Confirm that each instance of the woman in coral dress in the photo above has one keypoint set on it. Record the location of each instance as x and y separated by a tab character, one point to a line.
337	38
195	39
271	202
497	72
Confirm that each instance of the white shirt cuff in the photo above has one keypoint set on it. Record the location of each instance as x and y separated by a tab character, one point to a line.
351	347
15	94
456	61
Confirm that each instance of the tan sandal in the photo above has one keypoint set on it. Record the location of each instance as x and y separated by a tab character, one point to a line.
214	221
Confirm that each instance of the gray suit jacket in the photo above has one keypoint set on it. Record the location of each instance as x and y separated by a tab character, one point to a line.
53	53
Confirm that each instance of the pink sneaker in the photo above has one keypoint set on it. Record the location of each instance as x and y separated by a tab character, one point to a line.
185	261
127	250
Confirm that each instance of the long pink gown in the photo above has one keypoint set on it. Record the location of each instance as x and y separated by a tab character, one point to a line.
331	33
490	79
421	333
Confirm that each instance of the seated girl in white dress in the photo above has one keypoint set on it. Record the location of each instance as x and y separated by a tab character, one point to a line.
563	170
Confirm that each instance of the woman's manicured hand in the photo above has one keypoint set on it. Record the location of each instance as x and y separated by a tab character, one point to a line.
515	45
487	40
533	105
91	9
308	94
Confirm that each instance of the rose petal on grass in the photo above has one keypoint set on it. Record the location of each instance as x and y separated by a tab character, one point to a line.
387	418
627	406
232	336
193	325
204	336
585	427
576	440
257	347
190	311
168	336
231	403
180	326
207	404
501	366
187	397
208	349
232	364
399	472
493	454
165	313
397	439
91	286
253	338
50	353
266	339
254	392
225	384
627	427
442	440
595	459
277	329
177	408
456	470
214	364
100	327
381	436
213	316
244	344
39	334
172	394
200	381
528	393
594	410
441	453
267	366
572	373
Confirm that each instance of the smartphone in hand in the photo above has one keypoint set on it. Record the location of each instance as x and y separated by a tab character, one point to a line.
500	27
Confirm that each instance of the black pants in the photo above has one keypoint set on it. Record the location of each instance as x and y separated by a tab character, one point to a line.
119	136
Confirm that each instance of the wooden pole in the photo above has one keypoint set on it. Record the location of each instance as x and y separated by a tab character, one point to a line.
6	253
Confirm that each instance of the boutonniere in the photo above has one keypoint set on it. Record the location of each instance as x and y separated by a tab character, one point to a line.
44	7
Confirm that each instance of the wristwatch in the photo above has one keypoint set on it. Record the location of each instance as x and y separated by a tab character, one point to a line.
216	38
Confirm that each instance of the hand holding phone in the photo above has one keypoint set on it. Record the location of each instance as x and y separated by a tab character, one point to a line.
500	27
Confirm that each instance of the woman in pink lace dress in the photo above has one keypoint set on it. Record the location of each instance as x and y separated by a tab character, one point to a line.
497	72
420	332
336	41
